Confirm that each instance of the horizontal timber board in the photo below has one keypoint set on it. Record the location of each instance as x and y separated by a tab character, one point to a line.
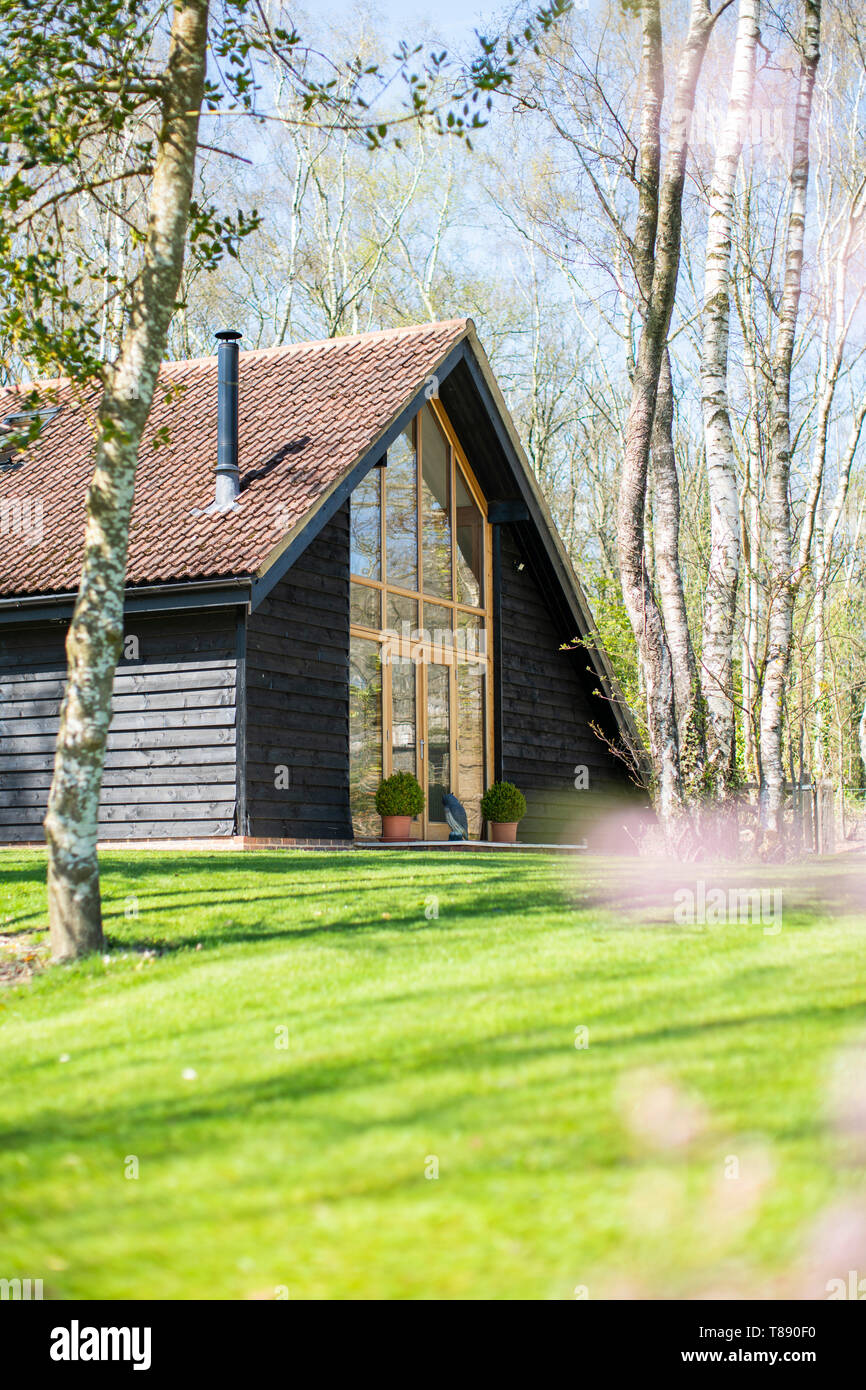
131	758
314	646
319	683
216	774
130	704
148	738
302	771
164	830
134	812
294	748
144	720
301	605
183	674
157	830
120	796
324	774
313	830
275	710
323	807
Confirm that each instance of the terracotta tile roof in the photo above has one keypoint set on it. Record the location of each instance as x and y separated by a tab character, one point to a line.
308	413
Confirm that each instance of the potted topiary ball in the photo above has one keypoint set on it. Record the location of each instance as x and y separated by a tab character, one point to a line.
503	805
398	799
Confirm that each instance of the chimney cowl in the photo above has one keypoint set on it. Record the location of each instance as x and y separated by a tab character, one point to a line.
228	477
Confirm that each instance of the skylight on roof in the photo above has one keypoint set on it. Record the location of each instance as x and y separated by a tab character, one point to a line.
20	419
17	425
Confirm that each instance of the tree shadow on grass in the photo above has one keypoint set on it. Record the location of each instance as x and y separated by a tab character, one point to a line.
151	1121
304	869
492	911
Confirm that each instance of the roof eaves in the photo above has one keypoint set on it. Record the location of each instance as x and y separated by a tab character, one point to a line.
225	590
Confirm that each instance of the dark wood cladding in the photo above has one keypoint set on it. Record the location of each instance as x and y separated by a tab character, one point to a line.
170	767
547	704
230	722
297	696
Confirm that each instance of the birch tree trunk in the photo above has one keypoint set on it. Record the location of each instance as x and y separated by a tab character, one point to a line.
750	527
643	610
95	635
717	675
666	518
781	597
819	671
663	535
751	635
662	527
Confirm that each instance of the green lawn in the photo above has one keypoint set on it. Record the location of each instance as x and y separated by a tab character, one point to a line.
411	1040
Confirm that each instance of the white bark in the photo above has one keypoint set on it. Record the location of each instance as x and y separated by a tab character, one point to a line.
94	639
669	579
750	525
781	598
640	601
724	562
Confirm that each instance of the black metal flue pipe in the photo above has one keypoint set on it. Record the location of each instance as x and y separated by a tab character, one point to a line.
228	477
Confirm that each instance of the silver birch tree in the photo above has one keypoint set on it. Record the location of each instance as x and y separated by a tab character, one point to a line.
724	559
778	510
96	630
640	601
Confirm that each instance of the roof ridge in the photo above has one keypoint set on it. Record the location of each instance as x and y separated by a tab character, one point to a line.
18	388
279	350
285	349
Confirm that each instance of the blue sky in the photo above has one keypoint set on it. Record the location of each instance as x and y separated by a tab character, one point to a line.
455	20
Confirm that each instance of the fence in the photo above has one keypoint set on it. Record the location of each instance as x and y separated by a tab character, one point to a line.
808	815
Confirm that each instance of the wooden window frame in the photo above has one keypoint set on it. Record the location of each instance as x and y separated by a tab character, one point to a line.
457	460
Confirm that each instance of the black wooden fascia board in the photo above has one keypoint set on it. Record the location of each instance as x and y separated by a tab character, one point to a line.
194	598
135	602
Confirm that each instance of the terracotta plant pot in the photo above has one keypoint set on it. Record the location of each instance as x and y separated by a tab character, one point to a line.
504	832
396	827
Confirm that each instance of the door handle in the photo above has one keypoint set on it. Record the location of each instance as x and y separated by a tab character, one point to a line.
422	750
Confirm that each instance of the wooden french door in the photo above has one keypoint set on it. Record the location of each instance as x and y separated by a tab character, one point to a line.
435	727
437	744
418	705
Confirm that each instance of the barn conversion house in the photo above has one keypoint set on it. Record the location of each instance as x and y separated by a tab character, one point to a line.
340	565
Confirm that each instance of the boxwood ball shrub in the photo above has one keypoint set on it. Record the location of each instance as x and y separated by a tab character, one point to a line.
400	795
503	803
